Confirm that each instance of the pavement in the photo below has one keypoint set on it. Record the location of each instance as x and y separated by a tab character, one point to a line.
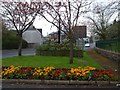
22	85
106	63
14	52
58	84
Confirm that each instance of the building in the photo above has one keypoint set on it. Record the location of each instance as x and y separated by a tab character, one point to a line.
33	36
80	32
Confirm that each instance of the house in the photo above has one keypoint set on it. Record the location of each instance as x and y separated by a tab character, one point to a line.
80	32
33	36
53	37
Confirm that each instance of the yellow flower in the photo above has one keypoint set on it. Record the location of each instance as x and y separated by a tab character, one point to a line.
38	71
77	74
82	70
35	73
87	72
41	73
12	66
10	72
35	69
45	69
90	68
5	73
45	74
2	72
79	67
83	74
72	70
69	74
17	68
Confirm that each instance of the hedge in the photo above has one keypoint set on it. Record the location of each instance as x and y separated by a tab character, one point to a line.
77	53
58	50
11	41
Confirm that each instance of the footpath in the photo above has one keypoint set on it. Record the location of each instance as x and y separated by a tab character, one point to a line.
105	62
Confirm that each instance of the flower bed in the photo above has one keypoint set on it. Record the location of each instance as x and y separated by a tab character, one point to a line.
51	73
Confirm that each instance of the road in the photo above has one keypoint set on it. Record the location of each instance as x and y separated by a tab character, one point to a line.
14	52
28	51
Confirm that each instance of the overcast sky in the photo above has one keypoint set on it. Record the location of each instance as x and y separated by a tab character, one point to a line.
46	27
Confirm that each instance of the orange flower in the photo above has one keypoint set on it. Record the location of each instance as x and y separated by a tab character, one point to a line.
38	71
69	74
72	70
77	74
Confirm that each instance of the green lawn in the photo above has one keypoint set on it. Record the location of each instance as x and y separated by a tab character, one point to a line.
44	61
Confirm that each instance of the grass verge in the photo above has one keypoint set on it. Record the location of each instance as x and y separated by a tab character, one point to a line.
45	61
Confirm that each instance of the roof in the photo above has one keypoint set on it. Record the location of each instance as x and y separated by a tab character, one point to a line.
33	36
31	27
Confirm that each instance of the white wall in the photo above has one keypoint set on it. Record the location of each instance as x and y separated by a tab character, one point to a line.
33	36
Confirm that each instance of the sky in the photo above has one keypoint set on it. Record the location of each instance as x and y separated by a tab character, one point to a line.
41	23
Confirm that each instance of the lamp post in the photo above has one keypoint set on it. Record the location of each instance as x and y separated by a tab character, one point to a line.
59	23
59	31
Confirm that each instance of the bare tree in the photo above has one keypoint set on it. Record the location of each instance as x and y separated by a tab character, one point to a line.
102	14
67	14
21	16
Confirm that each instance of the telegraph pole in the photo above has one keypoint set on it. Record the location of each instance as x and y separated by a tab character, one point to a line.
59	30
59	5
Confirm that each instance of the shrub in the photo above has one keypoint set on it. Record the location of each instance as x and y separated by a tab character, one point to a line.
11	41
57	50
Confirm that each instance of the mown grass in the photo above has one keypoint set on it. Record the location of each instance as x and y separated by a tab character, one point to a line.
45	61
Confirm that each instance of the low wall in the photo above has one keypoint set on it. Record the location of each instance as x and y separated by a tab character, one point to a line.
109	54
77	53
60	82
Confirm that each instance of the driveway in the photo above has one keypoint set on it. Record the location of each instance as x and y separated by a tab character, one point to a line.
14	52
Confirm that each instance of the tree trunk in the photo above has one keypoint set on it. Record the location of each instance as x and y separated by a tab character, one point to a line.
20	46
71	51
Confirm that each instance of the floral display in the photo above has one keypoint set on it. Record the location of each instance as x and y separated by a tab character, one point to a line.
51	73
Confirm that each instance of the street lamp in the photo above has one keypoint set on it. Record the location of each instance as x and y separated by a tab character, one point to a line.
59	23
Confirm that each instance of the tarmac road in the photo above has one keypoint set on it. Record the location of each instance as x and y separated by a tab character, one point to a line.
28	51
14	52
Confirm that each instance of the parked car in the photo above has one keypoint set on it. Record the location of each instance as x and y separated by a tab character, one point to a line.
87	45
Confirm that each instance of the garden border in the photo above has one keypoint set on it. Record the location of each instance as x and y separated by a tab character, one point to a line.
60	82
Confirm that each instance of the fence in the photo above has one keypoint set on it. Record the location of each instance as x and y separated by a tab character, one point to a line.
112	45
